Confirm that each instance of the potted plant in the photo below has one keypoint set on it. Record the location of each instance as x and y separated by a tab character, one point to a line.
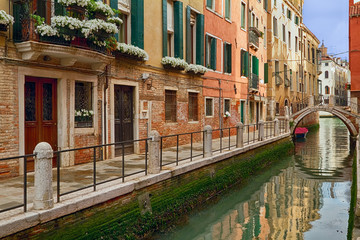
174	63
84	118
130	51
100	10
227	114
99	28
5	20
195	69
76	8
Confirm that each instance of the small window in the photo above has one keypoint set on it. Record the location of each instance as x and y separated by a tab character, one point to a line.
243	15
327	90
227	58
226	106
170	28
228	9
170	105
123	30
296	20
209	107
277	108
275	27
326	74
193	106
210	4
326	64
296	44
211	45
83	104
265	40
284	33
289	39
289	14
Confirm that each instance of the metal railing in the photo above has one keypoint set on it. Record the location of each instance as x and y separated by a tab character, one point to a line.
97	153
224	134
185	138
269	130
25	185
254	81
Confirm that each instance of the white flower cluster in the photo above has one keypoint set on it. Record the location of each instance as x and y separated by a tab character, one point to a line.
104	8
196	68
46	30
227	114
96	25
132	50
115	20
5	18
80	3
84	113
65	21
174	62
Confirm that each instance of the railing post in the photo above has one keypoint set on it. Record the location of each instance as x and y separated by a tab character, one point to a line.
239	135
208	141
43	197
276	127
154	152
261	131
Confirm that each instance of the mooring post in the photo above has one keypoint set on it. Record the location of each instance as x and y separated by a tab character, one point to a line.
154	152
208	141
261	131
239	135
43	198
276	127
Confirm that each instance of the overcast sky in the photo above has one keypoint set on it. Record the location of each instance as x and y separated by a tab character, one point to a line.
328	20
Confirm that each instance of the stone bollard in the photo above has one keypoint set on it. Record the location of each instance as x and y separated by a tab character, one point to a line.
208	141
43	197
154	153
261	131
276	127
239	135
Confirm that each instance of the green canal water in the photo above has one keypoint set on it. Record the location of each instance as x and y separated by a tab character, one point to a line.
305	196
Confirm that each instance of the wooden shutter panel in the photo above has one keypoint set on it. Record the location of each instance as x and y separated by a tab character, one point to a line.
41	8
114	5
246	61
266	72
200	39
137	23
164	27
213	53
188	35
178	30
227	8
229	55
225	59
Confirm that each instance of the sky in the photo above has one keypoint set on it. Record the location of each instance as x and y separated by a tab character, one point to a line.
329	21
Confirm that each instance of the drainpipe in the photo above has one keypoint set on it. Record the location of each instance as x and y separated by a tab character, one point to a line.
220	115
106	86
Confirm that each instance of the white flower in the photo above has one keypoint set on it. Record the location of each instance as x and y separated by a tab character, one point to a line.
5	18
46	30
227	114
96	25
174	62
196	68
84	113
115	20
80	3
65	21
104	8
132	50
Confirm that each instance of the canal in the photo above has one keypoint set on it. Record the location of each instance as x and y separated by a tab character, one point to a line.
306	196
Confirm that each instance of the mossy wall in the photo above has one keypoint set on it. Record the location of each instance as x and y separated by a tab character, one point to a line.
124	217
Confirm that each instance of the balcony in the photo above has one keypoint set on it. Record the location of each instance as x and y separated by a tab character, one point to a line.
287	82
67	52
254	83
278	80
254	38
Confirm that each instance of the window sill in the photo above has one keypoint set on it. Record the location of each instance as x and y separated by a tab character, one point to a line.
243	29
228	20
193	122
170	123
209	116
214	12
85	131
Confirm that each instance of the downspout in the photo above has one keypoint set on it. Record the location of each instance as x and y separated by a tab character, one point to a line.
106	86
220	115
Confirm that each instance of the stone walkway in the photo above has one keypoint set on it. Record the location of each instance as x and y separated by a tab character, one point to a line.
80	176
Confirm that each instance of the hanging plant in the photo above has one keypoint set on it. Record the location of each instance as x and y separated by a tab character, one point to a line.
80	3
99	28
67	26
100	10
115	20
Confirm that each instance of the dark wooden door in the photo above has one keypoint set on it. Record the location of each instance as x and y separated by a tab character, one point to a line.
124	118
40	115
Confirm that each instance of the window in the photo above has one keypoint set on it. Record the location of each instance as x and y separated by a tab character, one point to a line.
277	73
266	5
289	14
326	64
285	72
170	105
277	108
252	23
296	20
211	44
226	105
296	44
265	40
170	28
327	90
289	39
242	111
123	30
313	55
257	23
83	104
227	58
326	74
275	27
243	15
297	82
194	37
209	107
210	4
291	81
284	33
244	63
309	57
193	107
227	9
274	3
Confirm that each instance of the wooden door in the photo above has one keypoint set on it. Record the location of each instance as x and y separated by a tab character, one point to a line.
40	115
124	118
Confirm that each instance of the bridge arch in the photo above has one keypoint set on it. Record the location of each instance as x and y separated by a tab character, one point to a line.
348	123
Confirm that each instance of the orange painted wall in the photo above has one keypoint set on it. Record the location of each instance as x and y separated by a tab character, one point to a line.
354	44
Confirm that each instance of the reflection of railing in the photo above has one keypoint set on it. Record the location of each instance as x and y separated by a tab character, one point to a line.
254	81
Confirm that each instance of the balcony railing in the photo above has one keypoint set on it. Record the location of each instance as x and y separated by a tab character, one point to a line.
254	37
254	82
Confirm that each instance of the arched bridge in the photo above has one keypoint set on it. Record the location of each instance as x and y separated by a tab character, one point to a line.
348	115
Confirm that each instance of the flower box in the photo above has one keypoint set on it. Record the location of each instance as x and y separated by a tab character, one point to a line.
129	56
174	63
84	124
169	66
54	40
195	73
100	15
130	51
3	28
79	42
195	69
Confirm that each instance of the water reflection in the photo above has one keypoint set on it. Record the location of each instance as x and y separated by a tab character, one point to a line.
307	197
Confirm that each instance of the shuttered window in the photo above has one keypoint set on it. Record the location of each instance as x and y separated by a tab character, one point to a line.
137	23
178	30
211	45
243	15
193	107
244	63
195	38
227	9
275	27
255	65
170	105
227	58
200	39
60	9
266	73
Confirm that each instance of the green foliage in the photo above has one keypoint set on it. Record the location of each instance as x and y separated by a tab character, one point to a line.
38	20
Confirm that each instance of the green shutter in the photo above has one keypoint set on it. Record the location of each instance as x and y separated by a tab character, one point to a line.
137	23
266	72
225	59
257	66
253	65
17	26
113	5
164	27
227	9
213	54
188	35
178	30
59	9
229	57
246	64
242	112
200	39
266	5
209	3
